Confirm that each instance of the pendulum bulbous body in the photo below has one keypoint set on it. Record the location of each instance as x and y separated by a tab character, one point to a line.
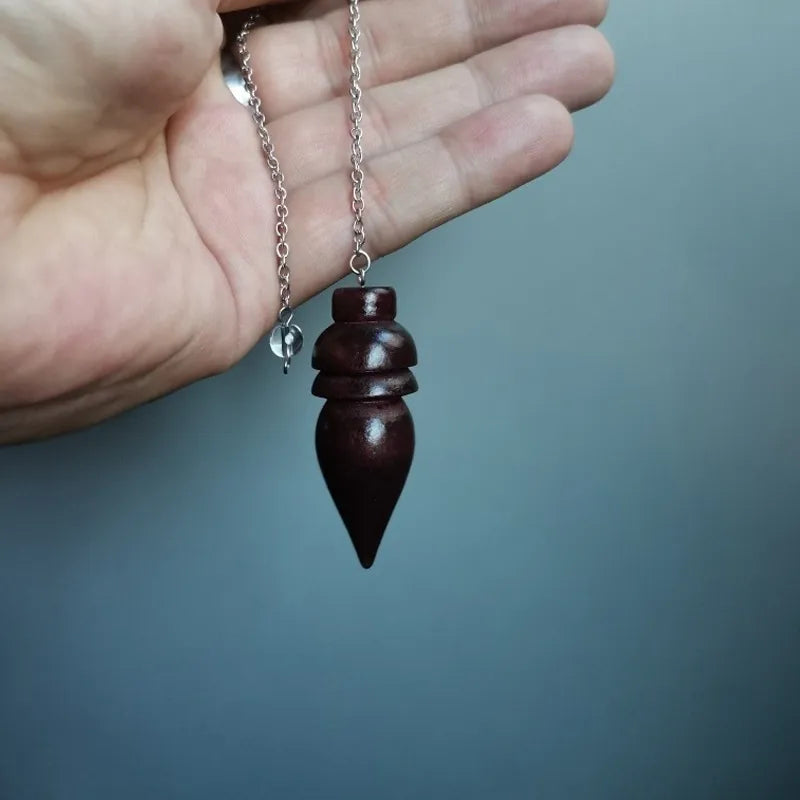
365	434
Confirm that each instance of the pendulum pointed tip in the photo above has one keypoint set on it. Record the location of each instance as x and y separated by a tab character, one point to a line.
365	530
367	560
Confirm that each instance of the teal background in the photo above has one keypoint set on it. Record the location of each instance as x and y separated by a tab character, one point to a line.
590	588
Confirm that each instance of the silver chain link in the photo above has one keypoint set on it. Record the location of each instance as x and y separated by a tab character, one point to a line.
360	262
278	180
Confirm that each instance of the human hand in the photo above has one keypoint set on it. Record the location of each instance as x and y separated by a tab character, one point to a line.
136	216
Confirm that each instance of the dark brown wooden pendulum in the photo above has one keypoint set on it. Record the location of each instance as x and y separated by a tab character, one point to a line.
365	434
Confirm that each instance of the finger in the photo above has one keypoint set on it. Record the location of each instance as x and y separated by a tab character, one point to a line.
302	63
293	10
413	190
237	11
574	64
223	6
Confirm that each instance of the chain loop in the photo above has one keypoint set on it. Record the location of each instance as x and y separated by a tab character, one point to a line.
360	271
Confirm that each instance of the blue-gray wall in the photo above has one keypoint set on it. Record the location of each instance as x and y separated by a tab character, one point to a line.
590	589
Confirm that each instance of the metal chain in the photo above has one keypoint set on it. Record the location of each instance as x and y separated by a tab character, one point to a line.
281	210
290	338
287	339
360	262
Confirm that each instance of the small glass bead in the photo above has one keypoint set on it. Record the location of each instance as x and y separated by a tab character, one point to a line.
286	341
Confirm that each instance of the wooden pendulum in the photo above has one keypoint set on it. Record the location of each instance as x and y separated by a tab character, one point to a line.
365	434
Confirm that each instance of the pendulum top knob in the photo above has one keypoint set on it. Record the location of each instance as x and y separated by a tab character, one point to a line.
365	353
364	305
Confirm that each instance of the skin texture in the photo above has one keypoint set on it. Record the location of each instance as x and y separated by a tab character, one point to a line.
136	239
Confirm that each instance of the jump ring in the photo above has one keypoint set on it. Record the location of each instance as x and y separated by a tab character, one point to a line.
366	262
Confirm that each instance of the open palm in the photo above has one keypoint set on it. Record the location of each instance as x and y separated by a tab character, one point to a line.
136	235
